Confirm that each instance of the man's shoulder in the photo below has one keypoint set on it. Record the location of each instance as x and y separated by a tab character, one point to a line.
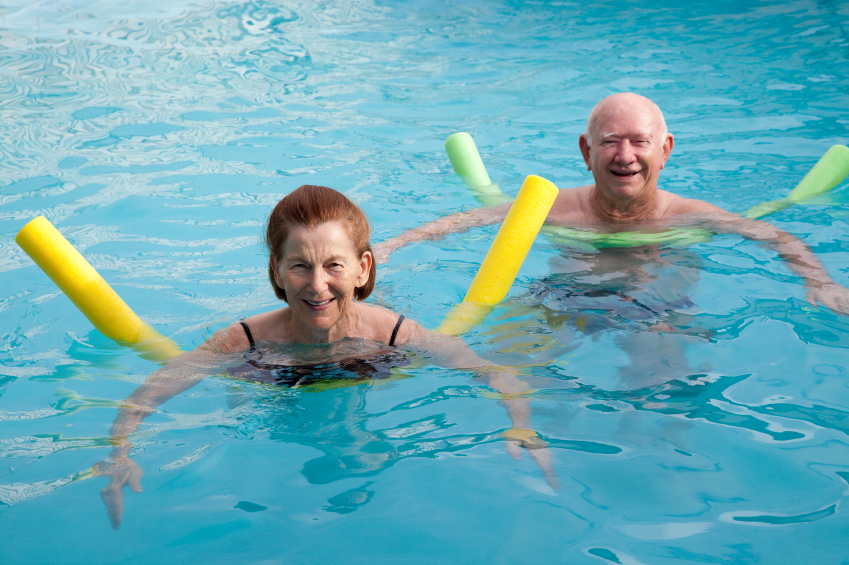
678	205
570	205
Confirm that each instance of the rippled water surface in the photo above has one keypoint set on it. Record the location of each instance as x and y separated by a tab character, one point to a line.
157	135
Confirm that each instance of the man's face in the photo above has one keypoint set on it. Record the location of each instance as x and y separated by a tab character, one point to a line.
627	151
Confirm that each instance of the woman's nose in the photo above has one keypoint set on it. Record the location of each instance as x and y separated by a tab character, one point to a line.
318	281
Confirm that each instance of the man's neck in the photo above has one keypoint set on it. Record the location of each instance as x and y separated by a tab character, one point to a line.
646	206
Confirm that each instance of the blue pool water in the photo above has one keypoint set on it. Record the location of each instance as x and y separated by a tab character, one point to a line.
156	136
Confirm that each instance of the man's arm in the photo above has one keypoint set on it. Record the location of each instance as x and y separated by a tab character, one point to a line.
436	229
821	288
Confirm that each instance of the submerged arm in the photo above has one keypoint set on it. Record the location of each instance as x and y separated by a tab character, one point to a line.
453	353
181	374
436	229
799	257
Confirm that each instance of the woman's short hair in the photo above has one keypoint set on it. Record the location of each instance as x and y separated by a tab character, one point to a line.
310	205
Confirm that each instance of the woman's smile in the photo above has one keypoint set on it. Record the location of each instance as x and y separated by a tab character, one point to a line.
319	305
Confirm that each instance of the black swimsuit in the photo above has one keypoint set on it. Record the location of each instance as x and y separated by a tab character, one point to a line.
374	366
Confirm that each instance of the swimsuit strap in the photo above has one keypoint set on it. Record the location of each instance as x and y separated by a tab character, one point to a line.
395	331
250	337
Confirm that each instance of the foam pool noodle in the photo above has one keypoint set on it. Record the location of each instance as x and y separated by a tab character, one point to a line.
89	292
831	170
466	162
505	256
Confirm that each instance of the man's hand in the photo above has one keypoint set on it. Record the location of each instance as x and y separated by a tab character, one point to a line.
830	295
380	251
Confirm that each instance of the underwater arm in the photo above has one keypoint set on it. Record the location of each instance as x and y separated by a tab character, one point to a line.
436	229
181	374
453	353
799	257
159	387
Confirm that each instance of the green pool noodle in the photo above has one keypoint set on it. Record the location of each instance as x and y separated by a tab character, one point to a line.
466	162
589	241
465	159
831	170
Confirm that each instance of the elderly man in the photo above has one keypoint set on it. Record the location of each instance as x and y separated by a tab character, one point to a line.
642	292
626	145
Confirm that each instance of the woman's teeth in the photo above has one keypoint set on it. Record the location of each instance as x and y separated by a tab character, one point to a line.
322	303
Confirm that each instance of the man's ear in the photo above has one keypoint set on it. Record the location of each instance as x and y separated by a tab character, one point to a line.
585	150
668	144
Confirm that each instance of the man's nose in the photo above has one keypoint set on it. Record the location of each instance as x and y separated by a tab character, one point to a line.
625	152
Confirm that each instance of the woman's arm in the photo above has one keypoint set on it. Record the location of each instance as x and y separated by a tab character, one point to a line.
181	374
453	353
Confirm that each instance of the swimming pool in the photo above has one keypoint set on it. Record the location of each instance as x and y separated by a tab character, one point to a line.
156	138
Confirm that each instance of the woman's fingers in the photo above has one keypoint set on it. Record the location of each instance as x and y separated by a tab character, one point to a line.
542	457
513	448
517	438
129	473
114	501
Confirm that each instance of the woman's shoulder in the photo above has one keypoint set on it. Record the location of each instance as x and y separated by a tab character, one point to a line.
241	335
383	323
229	339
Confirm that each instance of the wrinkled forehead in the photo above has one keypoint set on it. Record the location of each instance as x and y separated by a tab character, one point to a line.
330	238
632	119
626	122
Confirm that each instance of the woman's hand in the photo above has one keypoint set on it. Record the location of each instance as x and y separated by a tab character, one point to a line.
517	438
122	471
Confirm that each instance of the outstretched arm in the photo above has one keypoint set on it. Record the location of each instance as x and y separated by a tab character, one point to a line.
181	374
452	352
436	229
821	288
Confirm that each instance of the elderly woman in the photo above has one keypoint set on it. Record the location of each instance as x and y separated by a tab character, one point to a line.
321	265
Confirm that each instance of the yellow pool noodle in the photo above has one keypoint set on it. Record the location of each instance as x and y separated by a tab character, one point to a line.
89	292
505	257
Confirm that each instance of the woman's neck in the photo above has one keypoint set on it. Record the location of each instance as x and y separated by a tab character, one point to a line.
299	332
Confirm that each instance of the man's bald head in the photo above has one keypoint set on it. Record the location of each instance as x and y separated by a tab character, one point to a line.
624	103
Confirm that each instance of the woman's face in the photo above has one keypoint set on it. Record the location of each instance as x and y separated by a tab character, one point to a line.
319	270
